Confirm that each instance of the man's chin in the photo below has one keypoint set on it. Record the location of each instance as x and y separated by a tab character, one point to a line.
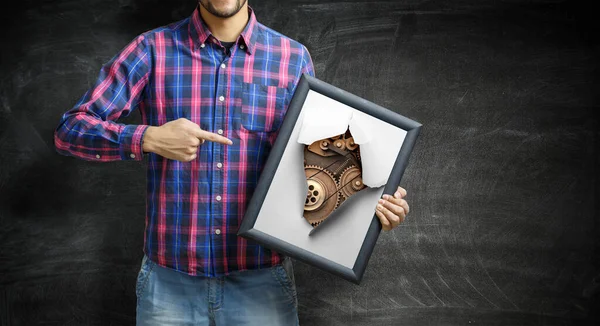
222	12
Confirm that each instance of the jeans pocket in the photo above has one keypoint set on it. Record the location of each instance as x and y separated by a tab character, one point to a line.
143	276
286	281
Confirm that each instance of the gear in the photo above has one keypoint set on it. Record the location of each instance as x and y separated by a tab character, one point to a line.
333	173
340	144
322	148
351	182
350	145
322	197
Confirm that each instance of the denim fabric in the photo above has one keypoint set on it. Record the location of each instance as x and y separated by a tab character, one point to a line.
254	297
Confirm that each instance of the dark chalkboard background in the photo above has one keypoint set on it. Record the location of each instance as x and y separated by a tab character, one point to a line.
503	182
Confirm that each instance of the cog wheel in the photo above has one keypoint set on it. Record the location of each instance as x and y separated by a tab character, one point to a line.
350	144
340	144
322	197
324	144
321	148
351	181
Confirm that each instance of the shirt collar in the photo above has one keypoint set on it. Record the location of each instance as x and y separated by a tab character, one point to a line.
201	34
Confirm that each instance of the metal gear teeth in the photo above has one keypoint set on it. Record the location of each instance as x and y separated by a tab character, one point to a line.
337	184
337	190
341	185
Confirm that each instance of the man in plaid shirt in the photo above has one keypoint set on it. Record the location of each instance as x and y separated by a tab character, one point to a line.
212	91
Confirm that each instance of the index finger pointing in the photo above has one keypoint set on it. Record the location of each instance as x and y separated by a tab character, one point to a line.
203	134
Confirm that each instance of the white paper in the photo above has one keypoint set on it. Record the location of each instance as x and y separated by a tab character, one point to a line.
378	140
281	214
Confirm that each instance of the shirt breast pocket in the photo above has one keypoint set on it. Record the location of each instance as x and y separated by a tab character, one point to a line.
263	107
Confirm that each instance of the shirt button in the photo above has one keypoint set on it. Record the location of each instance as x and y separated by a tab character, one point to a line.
132	155
220	131
97	156
202	45
218	198
221	98
223	66
242	46
217	231
219	165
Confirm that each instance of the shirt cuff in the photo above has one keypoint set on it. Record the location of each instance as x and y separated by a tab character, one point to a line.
130	142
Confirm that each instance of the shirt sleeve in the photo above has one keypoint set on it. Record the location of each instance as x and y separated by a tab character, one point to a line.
307	63
89	130
306	67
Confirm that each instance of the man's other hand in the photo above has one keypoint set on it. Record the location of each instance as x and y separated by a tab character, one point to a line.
392	210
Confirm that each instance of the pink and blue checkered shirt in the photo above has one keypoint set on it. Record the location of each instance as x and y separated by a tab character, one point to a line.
193	209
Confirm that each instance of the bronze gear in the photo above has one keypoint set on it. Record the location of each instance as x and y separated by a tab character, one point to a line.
351	182
322	197
332	167
350	145
322	148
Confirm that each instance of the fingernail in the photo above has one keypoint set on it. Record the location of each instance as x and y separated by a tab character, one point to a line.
379	207
397	194
381	201
386	196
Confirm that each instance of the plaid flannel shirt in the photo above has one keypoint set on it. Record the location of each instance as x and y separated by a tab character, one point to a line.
193	209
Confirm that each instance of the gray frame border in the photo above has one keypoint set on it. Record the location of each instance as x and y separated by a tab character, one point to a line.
305	84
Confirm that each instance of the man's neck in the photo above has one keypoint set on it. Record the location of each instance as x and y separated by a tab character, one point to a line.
226	29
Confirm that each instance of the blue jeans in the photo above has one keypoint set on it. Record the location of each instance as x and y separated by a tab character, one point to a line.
255	297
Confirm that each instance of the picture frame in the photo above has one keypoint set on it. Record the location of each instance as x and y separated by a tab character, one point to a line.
343	243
